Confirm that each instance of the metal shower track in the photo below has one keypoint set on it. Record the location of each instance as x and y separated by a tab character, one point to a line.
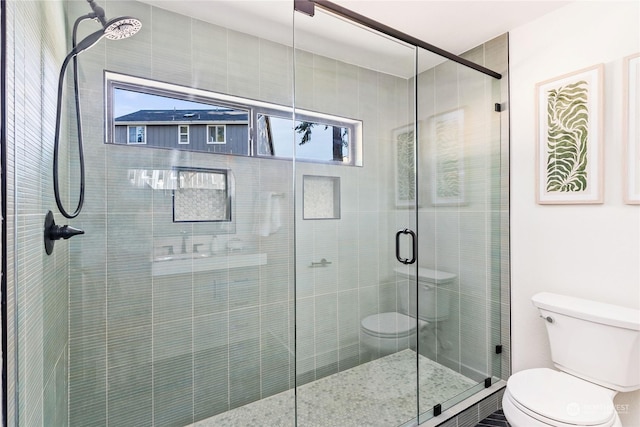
308	7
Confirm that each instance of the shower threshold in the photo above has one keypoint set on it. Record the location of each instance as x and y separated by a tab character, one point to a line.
377	393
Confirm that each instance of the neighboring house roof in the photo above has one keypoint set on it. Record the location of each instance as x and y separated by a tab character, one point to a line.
184	116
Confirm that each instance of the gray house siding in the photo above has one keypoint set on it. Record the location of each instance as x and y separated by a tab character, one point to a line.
162	136
237	141
166	136
120	135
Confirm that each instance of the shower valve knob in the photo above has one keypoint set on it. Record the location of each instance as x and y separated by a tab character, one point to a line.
53	232
56	232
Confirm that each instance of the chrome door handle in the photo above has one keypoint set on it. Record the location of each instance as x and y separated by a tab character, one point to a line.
413	246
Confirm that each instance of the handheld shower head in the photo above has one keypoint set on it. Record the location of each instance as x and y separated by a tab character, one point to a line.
122	27
86	43
115	29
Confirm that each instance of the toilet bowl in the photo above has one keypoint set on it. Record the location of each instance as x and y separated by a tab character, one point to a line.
595	348
389	332
544	397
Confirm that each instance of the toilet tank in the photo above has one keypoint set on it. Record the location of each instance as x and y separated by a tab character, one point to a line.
433	295
592	340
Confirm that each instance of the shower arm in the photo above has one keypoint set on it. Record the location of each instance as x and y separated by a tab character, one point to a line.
98	12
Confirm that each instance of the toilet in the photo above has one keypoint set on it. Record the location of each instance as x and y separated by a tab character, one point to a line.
387	333
595	348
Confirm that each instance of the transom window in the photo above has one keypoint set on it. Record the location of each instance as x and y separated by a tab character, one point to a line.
143	111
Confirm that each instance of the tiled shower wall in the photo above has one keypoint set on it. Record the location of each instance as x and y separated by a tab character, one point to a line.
37	284
167	350
170	349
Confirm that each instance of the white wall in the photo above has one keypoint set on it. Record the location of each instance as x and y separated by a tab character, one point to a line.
589	251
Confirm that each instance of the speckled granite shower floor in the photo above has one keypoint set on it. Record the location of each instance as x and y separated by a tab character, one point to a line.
378	393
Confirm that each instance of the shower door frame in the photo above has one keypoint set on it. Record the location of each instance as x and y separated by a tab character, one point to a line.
308	7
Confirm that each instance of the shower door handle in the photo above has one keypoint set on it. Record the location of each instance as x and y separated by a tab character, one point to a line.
413	246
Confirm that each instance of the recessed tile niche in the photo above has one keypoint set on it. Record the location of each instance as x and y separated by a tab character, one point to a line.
321	197
201	195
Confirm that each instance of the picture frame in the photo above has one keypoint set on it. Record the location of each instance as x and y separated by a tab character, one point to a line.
631	129
404	140
447	158
569	138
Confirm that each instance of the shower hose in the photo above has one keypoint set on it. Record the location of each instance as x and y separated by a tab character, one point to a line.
56	145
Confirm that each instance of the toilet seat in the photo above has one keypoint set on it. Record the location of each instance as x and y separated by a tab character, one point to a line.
389	325
559	399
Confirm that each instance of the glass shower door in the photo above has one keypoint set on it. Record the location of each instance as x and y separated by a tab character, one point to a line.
459	221
355	339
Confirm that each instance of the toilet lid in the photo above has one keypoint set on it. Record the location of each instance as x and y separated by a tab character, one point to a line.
389	325
562	397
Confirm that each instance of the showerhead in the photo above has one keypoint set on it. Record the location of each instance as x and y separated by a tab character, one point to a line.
122	28
115	29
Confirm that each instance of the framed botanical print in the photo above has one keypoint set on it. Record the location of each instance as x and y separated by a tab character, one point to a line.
447	158
570	138
405	165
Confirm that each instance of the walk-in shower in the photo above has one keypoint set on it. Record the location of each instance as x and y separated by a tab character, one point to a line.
290	219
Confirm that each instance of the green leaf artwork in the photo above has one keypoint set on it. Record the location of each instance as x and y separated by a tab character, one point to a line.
406	185
567	138
448	160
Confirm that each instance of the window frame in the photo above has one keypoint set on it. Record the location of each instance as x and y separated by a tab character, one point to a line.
224	140
114	81
354	149
181	134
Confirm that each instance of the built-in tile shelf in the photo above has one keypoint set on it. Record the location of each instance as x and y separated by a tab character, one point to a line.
165	266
